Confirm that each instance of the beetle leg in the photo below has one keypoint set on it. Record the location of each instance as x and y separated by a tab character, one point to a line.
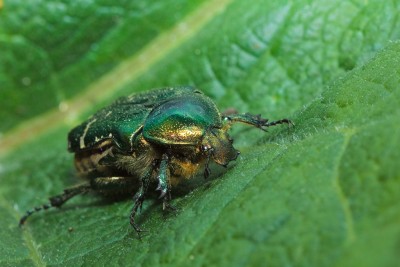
138	198
166	203
163	183
254	120
58	201
207	170
163	176
113	185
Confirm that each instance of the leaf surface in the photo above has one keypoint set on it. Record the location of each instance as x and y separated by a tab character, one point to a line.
324	193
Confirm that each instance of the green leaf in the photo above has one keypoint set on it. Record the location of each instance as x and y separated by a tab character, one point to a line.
324	193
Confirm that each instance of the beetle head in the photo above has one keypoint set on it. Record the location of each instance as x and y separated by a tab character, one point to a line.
218	145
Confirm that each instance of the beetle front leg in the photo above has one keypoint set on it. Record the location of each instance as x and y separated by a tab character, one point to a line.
58	201
254	120
138	199
163	183
163	176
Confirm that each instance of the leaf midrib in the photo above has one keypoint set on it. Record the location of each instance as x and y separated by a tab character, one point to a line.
34	252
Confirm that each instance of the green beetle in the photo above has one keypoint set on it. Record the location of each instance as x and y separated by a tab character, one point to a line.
165	135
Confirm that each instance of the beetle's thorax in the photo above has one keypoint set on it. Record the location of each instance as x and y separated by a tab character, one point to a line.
181	121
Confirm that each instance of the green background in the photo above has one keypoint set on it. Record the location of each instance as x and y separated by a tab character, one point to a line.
325	193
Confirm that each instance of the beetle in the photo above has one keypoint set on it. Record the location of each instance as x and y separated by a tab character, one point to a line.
165	136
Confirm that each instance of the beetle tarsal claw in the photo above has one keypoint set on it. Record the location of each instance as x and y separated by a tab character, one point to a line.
162	190
163	193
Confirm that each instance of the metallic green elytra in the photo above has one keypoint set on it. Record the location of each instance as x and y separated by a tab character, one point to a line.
164	136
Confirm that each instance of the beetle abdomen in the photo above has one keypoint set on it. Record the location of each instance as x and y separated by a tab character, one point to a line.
87	162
